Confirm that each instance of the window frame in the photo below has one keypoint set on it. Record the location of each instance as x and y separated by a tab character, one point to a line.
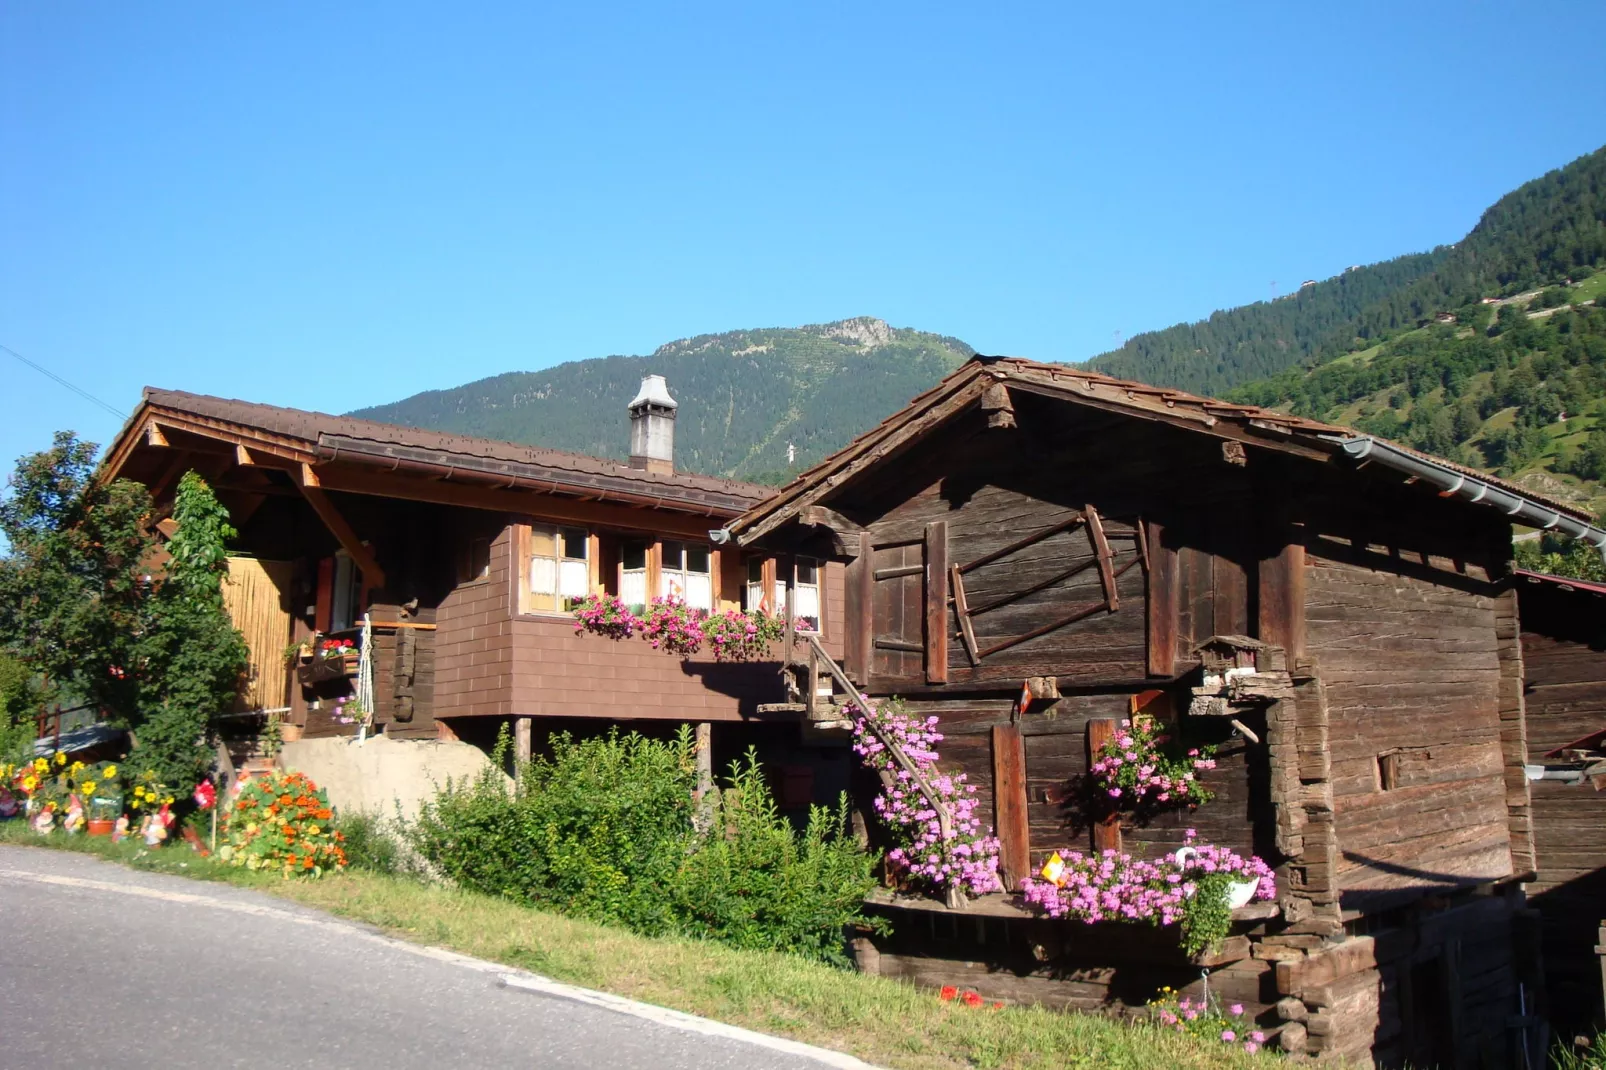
562	535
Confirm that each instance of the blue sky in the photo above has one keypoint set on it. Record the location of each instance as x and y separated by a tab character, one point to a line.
331	206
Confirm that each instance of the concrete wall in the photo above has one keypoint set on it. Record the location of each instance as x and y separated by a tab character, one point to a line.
374	775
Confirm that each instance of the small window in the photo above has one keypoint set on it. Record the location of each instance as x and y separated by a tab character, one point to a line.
346	593
633	574
753	598
806	596
474	560
685	575
560	568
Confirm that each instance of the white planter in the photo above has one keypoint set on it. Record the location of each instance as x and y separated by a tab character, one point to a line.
1239	893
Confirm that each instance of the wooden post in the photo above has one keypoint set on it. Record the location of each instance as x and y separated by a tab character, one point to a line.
1107	831
937	602
1009	804
858	592
1282	595
1164	591
703	796
788	567
521	739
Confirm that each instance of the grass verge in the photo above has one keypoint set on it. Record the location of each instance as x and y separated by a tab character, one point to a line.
879	1020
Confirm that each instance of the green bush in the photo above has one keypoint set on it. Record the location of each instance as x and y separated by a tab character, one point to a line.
602	829
756	883
370	845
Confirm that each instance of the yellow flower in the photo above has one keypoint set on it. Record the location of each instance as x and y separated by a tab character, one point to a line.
89	785
76	767
109	772
61	757
313	830
168	801
40	764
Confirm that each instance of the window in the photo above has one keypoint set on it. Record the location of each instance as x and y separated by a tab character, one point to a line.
473	560
806	595
560	568
633	574
345	593
685	575
754	600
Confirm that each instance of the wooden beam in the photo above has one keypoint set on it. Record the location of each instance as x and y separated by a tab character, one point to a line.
967	631
526	503
858	591
522	747
1101	550
246	457
154	436
306	476
1107	830
936	595
1010	805
372	574
1282	597
1164	591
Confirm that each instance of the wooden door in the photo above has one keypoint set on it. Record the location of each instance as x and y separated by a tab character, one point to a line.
897	611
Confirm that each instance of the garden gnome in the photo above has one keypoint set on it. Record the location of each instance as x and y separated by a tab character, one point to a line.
45	819
75	815
156	827
120	830
8	804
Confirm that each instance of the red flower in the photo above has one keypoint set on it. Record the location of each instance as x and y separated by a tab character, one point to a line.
973	1000
948	993
998	1006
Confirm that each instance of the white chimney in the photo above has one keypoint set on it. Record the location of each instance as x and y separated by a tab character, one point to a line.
652	427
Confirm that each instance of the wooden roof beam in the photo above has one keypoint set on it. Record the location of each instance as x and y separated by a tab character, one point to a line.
372	574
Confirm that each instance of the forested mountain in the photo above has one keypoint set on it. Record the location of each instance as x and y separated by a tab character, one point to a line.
744	396
1542	233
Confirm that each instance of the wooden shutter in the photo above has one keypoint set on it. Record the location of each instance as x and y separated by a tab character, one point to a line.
897	611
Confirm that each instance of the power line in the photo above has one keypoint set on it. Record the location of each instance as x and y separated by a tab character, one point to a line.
86	395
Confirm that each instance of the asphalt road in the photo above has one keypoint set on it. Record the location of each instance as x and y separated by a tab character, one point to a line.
103	967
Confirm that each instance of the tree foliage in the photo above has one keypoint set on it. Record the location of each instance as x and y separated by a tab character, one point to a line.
83	604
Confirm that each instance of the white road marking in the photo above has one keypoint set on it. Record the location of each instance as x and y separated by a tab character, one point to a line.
521	980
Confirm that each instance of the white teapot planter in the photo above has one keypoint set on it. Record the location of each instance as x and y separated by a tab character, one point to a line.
1239	893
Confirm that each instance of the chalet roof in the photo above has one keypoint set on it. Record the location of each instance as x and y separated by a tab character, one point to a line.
1566	583
327	438
1252	424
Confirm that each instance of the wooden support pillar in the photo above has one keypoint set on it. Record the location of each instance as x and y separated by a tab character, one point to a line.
521	739
1282	595
372	575
1009	805
788	568
936	552
1107	830
1164	594
703	796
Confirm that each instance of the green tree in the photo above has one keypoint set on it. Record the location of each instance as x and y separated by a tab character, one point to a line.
82	606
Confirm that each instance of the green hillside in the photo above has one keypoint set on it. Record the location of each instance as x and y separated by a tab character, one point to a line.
744	395
1550	229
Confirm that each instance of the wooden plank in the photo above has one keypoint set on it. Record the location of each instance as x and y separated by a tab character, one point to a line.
936	595
899	572
1164	591
1010	804
372	575
1107	830
856	606
967	632
1021	544
1282	598
1101	550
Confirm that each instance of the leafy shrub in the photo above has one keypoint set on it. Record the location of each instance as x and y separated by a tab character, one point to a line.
282	821
756	883
370	845
597	830
602	829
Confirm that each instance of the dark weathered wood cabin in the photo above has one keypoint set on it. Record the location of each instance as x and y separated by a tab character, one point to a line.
1564	669
1102	544
465	555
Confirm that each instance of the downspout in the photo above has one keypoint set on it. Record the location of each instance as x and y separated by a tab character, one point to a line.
1470	488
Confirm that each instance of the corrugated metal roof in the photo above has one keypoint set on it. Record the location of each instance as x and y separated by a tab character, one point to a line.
355	438
1565	582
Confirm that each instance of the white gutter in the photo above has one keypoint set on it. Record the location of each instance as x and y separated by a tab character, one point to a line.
1470	488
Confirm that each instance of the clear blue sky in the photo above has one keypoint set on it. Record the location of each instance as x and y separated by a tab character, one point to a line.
335	205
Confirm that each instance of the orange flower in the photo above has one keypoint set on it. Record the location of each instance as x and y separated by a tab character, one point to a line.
325	815
948	993
973	999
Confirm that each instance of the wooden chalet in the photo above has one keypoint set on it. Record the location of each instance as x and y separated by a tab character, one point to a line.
1332	610
1564	671
464	554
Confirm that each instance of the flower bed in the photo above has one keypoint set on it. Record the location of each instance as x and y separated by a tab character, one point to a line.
58	793
282	822
1192	893
925	854
1201	1018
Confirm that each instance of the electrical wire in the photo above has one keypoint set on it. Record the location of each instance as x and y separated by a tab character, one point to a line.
86	395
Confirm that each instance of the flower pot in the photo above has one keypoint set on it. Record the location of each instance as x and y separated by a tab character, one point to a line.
101	826
1239	893
289	733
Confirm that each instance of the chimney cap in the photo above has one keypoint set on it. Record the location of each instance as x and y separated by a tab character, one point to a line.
655	392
